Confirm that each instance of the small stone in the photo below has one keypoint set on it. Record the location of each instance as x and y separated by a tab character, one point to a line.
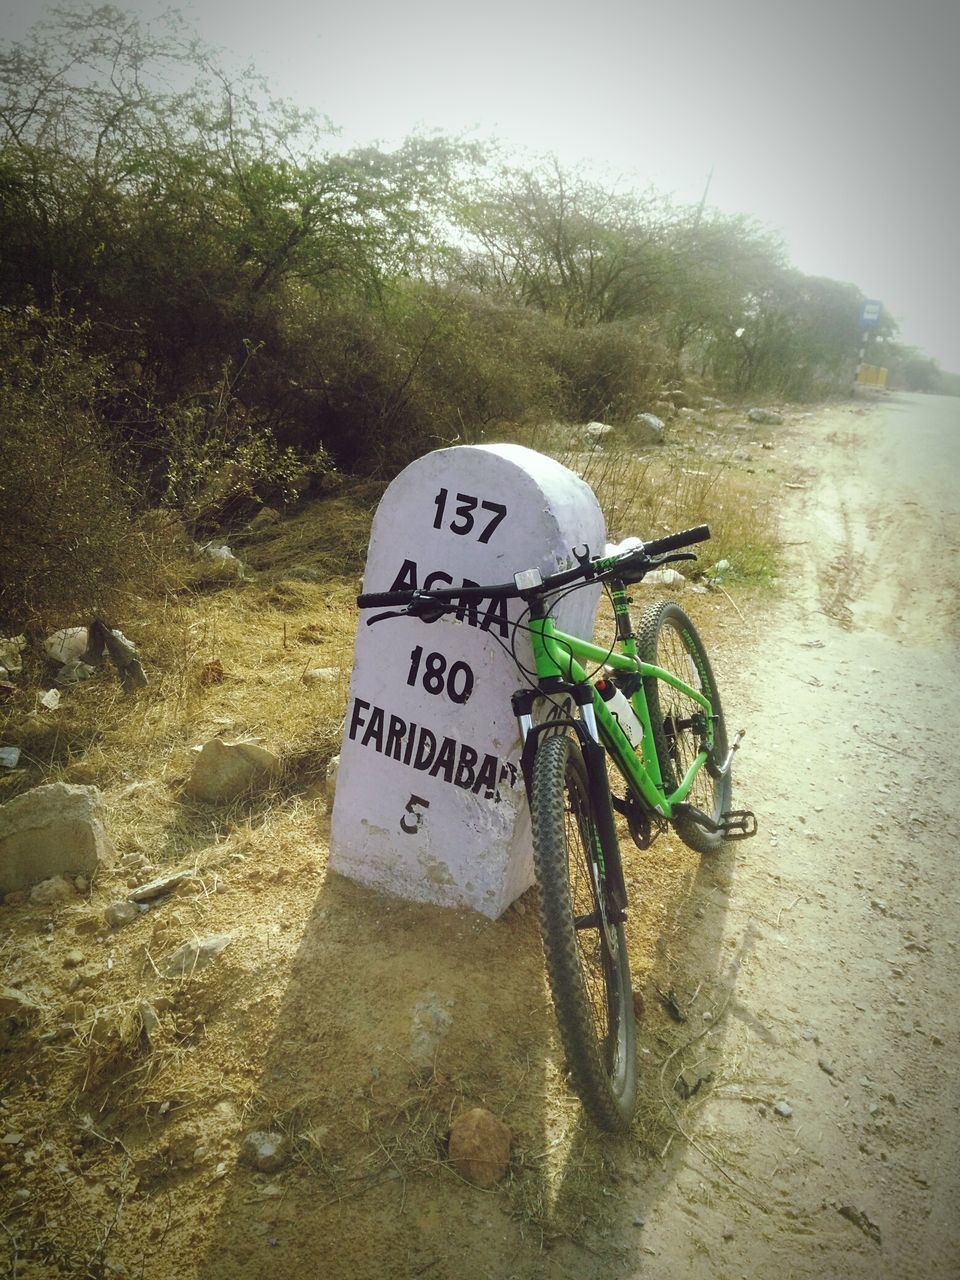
825	1065
266	1152
51	893
158	887
14	1004
148	1019
783	1109
479	1147
195	954
727	1233
638	1221
321	675
74	1011
224	771
73	959
265	516
330	781
120	913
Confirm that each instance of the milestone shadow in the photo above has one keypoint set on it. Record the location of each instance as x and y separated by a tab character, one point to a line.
392	1019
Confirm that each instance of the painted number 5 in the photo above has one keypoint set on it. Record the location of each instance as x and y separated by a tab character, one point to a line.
410	822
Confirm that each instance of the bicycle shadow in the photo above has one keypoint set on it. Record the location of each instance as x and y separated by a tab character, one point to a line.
686	982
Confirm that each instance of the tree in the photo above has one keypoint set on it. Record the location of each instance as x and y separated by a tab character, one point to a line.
184	212
562	244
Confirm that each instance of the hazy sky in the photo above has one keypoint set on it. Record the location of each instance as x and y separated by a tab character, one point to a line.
837	124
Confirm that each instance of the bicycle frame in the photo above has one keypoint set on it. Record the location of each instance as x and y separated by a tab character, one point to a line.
558	655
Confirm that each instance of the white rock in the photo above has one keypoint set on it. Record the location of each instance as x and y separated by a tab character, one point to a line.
665	578
222	554
645	428
52	892
120	913
444	819
321	675
222	771
333	769
49	831
266	1152
431	1022
195	954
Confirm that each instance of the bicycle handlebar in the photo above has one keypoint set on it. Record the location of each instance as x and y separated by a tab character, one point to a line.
630	566
674	541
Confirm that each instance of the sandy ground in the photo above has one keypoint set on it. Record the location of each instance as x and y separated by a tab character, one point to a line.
837	926
813	967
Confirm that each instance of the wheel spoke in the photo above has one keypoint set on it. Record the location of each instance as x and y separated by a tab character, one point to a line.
680	724
591	941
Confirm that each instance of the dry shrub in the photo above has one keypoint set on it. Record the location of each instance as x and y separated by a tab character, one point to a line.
65	543
607	371
657	491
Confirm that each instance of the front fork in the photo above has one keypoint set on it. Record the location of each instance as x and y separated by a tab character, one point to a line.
598	784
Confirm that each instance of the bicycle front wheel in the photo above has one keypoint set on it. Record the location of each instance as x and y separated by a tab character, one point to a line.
668	639
586	955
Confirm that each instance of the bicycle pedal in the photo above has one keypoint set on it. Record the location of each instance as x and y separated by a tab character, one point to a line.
738	824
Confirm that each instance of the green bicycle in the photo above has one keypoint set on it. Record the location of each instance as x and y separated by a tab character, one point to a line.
650	704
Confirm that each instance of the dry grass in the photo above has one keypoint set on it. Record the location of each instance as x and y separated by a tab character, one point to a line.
699	477
226	657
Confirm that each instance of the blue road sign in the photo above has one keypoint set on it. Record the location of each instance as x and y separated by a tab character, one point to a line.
870	311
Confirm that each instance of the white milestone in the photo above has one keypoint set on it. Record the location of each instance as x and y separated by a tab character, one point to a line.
430	802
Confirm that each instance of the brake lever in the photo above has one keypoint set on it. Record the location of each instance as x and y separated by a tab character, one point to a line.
379	617
421	607
675	555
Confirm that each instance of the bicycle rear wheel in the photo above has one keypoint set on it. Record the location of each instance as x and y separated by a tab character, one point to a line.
586	955
668	639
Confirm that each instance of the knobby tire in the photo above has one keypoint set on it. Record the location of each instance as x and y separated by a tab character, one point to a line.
667	638
587	968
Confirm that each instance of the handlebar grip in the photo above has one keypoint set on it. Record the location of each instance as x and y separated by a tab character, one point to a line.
383	599
674	541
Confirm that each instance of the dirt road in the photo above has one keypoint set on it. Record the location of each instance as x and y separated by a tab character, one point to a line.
840	922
